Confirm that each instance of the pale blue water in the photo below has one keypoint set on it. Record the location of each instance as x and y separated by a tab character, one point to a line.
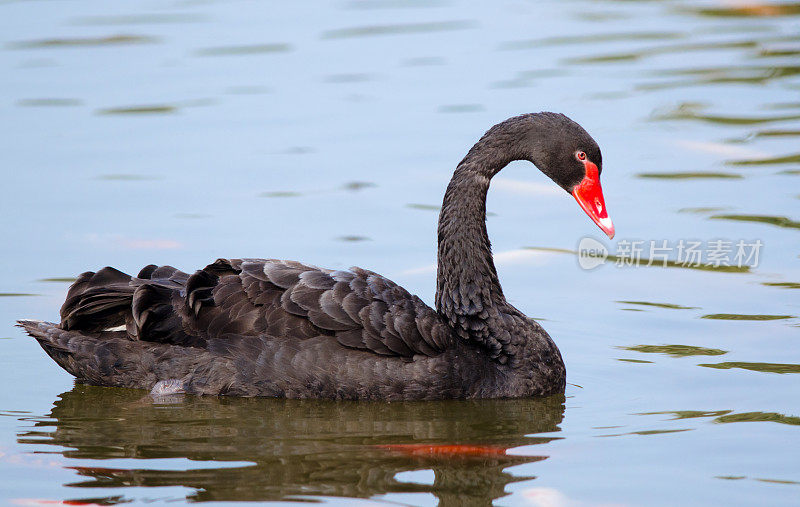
177	133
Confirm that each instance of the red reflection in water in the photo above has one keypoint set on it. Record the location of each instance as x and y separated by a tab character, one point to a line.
446	450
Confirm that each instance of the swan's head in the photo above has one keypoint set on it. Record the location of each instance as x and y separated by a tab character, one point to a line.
566	153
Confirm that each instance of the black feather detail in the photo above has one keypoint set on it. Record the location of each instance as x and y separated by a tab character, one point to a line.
155	318
317	279
333	308
97	301
147	271
284	274
306	297
199	289
292	307
352	339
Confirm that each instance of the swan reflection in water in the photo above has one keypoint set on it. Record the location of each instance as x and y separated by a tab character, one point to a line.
294	449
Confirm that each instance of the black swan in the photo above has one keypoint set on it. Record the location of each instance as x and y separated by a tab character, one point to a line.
265	327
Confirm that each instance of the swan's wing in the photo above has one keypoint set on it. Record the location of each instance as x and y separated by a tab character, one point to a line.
230	300
358	308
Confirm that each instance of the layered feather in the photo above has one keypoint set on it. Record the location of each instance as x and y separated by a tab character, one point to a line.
358	309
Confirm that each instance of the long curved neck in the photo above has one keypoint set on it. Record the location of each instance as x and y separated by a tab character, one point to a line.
468	292
466	279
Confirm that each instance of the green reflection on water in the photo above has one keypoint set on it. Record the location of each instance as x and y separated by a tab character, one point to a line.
367	31
783	285
393	4
659	305
280	193
355	186
759	417
690	414
747	10
772	53
676	350
591	39
658	432
778	133
660	50
294	447
49	102
148	109
740	74
352	238
726	416
692	111
244	50
426	207
777	481
788	159
648	432
690	175
112	40
700	210
783	105
763	219
739	316
760	367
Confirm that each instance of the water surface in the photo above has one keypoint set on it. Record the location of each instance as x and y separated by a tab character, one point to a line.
178	133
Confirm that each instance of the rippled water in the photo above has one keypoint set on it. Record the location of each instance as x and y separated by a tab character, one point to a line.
181	132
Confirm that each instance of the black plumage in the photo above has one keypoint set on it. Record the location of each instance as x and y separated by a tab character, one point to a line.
265	327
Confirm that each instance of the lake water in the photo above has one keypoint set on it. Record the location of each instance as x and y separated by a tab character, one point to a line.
179	132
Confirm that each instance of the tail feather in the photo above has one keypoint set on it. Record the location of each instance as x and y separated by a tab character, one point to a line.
106	358
98	301
55	343
109	358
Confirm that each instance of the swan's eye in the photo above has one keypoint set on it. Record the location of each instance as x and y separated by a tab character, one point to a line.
580	155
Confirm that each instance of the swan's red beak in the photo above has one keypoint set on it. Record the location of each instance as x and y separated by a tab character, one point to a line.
589	195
